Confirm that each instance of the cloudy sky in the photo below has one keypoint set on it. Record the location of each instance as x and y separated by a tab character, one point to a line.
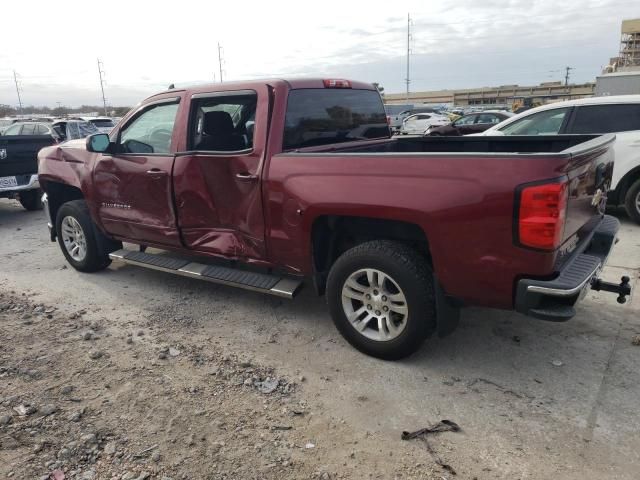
145	45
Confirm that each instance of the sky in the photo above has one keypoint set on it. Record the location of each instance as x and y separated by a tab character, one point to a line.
147	45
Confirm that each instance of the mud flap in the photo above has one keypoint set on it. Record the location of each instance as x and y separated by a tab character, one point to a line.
447	311
105	244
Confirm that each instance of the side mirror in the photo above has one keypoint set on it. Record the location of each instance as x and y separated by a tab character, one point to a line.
98	143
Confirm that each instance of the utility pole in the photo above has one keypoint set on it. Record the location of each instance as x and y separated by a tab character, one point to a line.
566	75
220	60
15	79
101	73
408	80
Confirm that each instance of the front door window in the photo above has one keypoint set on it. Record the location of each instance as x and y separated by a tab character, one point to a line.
149	132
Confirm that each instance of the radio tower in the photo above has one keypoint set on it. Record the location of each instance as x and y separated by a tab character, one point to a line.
15	79
101	73
408	80
220	60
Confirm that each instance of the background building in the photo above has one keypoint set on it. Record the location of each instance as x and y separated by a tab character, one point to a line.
504	95
622	75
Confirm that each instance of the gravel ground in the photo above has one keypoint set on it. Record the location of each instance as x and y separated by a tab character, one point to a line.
134	374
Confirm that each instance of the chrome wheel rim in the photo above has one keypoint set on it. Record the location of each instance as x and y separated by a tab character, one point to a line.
638	202
73	238
375	305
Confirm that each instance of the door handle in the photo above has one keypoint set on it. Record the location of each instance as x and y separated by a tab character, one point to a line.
246	177
156	172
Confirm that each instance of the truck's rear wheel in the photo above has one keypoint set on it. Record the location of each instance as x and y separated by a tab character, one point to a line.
632	201
80	242
381	298
31	199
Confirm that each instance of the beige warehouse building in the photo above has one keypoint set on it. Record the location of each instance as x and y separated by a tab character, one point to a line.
502	95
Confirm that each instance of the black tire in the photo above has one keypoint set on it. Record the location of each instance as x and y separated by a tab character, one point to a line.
410	271
31	199
632	201
98	246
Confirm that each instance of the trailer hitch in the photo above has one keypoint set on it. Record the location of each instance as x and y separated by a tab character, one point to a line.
622	289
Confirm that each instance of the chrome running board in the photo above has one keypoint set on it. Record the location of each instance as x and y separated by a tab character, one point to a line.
277	285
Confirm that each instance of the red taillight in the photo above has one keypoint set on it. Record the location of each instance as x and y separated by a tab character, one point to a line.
334	83
541	216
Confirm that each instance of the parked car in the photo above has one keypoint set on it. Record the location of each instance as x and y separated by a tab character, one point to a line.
395	120
613	114
104	124
19	147
72	129
6	123
398	231
395	115
28	128
472	123
418	124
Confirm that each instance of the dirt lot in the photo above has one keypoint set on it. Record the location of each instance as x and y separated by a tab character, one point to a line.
134	374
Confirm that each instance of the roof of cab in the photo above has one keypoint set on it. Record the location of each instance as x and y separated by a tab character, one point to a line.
291	83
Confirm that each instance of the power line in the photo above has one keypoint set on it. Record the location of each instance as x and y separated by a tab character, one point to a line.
101	73
15	79
566	75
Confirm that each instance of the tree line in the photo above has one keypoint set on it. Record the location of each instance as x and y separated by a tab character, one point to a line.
9	111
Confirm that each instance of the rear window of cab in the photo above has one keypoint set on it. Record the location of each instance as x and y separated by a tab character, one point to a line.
321	116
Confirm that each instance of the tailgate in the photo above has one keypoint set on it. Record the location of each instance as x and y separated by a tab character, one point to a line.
589	172
19	153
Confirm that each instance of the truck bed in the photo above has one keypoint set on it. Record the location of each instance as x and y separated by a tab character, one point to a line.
461	191
469	144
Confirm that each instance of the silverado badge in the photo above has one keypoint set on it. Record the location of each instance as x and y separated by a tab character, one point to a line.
3	153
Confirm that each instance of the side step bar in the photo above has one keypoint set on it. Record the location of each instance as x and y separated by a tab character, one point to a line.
277	285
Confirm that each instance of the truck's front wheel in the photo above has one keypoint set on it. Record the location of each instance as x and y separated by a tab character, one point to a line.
381	298
78	240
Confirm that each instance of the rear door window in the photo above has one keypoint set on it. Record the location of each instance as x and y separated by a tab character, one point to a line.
548	122
489	118
42	130
606	118
466	120
320	116
29	129
223	123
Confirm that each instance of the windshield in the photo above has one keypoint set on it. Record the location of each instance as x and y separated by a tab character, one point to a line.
319	116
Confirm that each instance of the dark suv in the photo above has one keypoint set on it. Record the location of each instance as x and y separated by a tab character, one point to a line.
471	123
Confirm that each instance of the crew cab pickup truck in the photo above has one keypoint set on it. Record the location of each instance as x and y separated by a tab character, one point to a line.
19	163
261	184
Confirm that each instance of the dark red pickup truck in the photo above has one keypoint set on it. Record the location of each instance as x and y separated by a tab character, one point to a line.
259	184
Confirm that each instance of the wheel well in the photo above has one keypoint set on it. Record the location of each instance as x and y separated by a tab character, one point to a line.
59	194
334	235
621	189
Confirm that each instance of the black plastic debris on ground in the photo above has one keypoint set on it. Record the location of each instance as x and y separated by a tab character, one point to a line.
441	426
